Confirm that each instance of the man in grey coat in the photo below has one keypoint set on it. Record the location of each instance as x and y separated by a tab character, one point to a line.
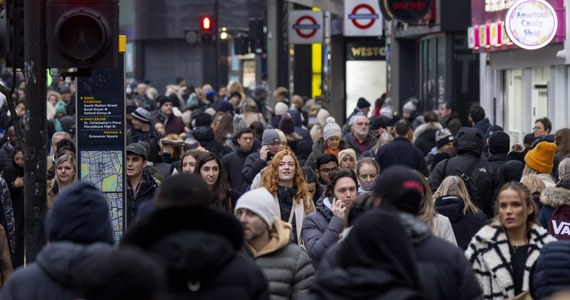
287	267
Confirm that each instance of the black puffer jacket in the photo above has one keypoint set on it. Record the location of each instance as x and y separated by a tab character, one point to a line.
199	249
551	273
485	180
465	226
443	269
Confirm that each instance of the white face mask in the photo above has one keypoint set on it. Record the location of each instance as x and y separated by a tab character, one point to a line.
129	90
368	186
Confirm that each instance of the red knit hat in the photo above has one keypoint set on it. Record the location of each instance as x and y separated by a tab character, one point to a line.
541	157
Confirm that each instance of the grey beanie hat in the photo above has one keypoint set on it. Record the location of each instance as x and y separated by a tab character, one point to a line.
270	137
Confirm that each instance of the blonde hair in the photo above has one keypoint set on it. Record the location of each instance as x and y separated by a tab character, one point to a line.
427	211
270	180
455	186
62	159
533	183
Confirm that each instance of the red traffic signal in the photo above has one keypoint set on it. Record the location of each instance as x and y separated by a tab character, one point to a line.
207	23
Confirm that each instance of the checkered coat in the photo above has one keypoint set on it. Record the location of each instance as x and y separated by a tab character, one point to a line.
490	257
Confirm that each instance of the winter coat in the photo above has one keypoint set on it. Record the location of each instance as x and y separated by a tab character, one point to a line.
465	226
443	269
551	273
485	180
233	163
7	219
498	159
205	136
441	227
490	257
452	123
145	194
321	230
6	156
49	277
424	136
252	166
318	150
151	137
286	266
172	124
401	152
17	197
551	199
351	142
483	127
200	249
6	268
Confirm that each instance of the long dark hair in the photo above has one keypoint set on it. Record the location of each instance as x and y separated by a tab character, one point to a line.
221	190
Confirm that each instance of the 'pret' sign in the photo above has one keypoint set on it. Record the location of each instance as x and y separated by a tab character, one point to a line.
362	18
531	24
305	27
409	11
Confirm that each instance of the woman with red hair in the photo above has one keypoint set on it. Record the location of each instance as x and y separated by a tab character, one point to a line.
283	178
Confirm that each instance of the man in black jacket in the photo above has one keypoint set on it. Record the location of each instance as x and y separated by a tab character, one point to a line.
255	162
483	179
233	162
401	152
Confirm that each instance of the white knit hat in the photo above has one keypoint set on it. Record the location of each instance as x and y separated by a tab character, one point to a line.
331	129
259	201
281	108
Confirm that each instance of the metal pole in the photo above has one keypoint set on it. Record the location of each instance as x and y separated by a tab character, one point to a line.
217	42
35	177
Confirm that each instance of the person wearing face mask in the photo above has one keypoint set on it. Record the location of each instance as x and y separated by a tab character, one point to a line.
367	170
322	228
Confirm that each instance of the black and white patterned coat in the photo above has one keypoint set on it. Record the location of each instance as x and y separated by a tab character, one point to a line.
490	257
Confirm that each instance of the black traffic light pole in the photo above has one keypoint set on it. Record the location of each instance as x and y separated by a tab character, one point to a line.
35	177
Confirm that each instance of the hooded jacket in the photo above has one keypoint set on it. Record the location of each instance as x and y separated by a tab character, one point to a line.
424	136
376	261
401	152
205	136
199	249
465	226
443	270
50	276
551	199
484	181
286	266
490	257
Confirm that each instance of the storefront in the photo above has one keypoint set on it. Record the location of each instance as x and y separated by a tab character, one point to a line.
518	85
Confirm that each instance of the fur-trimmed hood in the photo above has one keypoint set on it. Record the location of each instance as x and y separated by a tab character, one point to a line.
425	127
555	197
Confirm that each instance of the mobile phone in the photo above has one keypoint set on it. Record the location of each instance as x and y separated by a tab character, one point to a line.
269	156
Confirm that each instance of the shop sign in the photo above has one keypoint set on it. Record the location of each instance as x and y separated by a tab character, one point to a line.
305	27
362	18
409	11
366	50
531	24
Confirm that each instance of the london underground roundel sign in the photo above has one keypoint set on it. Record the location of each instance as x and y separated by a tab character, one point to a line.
531	24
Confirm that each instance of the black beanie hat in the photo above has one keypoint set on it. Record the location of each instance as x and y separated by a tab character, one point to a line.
203	119
499	143
400	187
80	214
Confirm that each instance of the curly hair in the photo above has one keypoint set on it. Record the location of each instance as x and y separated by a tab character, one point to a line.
271	180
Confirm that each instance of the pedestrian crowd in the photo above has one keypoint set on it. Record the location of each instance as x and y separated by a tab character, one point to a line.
237	195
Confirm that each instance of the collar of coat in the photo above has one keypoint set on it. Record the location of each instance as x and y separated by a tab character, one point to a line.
490	257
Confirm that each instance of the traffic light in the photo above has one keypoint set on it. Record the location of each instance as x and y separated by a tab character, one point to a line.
82	33
12	33
207	29
256	35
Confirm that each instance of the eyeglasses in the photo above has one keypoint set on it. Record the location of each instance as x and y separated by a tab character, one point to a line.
327	170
